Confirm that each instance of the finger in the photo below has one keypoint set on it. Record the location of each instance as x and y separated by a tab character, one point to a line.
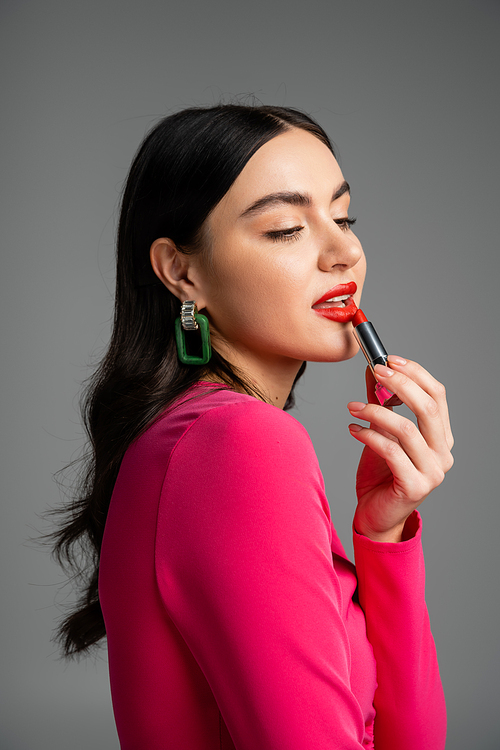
371	383
355	407
408	483
370	386
423	405
430	385
370	391
403	431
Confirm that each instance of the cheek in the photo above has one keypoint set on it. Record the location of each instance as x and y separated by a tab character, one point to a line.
255	279
252	299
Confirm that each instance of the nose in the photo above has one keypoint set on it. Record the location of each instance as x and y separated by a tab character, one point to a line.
339	249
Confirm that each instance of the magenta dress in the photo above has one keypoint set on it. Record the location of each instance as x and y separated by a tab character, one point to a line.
234	618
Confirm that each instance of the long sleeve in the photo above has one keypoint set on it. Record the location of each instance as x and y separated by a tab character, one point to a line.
409	700
250	571
245	571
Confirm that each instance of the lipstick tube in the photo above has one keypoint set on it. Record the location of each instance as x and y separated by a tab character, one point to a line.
375	353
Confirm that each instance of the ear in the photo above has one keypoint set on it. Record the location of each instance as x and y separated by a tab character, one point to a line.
176	270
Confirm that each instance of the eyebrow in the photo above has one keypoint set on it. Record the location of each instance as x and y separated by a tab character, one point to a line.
290	198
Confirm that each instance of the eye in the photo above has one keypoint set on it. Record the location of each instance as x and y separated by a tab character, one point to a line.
345	224
284	235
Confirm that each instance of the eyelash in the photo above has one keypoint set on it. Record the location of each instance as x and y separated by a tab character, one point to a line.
289	235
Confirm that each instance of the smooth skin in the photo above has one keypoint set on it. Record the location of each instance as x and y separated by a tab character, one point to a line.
257	283
401	463
264	270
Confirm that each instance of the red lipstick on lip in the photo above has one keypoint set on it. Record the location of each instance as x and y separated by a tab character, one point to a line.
338	314
375	354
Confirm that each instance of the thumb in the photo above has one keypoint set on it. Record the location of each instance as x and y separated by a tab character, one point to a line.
372	399
370	386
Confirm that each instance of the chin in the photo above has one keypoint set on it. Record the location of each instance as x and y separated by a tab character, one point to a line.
332	357
347	350
350	354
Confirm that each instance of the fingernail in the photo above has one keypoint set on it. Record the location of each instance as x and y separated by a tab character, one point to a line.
396	360
384	371
355	428
355	406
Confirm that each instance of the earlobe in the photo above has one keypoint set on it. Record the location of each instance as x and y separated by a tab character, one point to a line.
172	268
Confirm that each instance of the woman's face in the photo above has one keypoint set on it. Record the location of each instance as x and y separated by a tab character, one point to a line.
280	243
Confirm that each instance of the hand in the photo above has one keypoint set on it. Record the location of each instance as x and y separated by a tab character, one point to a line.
400	464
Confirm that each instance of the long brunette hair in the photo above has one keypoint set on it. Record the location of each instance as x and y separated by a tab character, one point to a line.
183	168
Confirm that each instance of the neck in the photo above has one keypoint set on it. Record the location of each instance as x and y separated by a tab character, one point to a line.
273	378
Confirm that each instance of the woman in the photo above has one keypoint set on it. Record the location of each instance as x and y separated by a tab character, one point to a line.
232	614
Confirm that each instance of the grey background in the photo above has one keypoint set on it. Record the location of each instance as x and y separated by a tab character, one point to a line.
408	91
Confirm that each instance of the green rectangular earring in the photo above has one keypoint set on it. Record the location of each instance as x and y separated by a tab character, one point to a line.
191	320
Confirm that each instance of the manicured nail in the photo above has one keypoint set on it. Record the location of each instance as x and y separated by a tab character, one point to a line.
355	406
355	428
384	371
396	360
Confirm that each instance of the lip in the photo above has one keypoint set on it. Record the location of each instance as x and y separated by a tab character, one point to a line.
339	314
338	291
